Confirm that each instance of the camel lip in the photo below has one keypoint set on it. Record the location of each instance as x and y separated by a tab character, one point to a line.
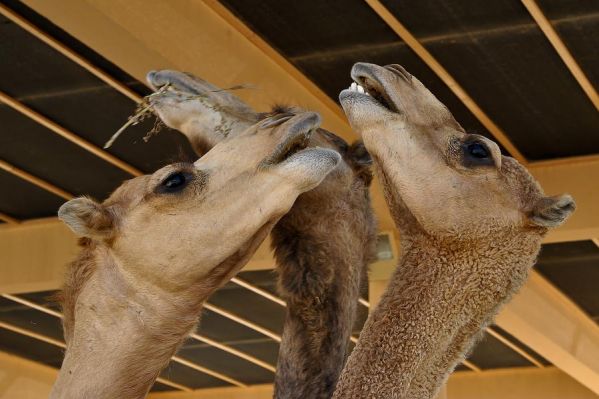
178	82
367	76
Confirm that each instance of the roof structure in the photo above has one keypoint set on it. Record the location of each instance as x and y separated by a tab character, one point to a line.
523	73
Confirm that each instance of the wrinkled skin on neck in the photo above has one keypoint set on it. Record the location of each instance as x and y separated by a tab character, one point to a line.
322	246
471	223
162	243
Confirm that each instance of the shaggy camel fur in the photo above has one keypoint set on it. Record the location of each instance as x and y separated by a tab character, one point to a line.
322	246
471	223
162	243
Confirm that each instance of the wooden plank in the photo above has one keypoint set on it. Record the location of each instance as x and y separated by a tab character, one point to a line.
8	219
548	322
35	180
562	50
69	53
444	75
67	134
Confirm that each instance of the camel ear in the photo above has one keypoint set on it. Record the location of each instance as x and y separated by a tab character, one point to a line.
87	218
552	211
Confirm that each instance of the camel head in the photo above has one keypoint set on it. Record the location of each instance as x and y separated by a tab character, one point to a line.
201	111
177	225
436	176
206	115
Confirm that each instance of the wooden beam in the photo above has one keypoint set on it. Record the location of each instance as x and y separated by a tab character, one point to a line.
35	180
513	347
513	383
562	50
543	318
202	369
445	76
8	219
35	335
24	379
69	53
67	134
258	290
273	55
242	321
234	352
516	383
196	336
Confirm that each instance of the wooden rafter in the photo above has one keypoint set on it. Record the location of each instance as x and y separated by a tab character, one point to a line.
176	359
243	321
35	180
274	56
67	134
69	53
60	344
446	77
559	46
513	347
8	219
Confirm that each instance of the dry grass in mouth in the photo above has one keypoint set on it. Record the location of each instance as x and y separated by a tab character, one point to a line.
144	110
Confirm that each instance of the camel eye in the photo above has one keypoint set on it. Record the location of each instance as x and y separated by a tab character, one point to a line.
476	154
174	182
477	150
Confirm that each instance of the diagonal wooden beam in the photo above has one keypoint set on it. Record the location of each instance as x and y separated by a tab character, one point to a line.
552	325
35	180
242	321
60	344
471	366
198	337
67	134
8	219
233	351
274	56
176	359
559	46
446	77
69	53
513	347
258	290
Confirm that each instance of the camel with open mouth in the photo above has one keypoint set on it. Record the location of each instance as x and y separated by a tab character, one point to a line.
471	222
322	246
162	243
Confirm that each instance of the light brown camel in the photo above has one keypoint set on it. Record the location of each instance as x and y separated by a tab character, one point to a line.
322	246
162	243
471	223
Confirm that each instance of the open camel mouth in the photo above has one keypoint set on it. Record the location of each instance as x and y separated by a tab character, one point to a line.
368	85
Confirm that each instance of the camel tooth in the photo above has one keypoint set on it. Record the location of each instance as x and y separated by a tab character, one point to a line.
360	89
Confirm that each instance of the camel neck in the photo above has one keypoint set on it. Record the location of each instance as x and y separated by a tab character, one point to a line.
320	267
435	291
119	340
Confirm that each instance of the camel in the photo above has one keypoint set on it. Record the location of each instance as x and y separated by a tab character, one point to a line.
162	243
322	245
471	223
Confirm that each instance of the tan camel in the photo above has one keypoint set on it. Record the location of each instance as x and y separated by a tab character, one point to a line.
471	223
162	243
322	246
